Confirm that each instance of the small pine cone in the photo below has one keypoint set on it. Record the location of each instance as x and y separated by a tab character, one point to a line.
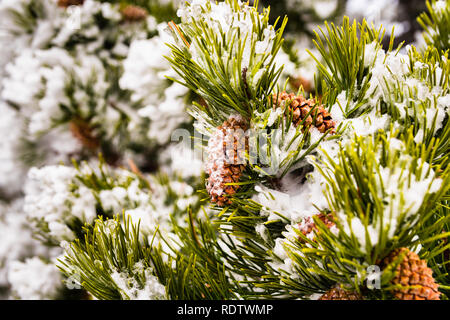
338	293
226	158
300	108
414	276
133	13
68	3
307	226
83	132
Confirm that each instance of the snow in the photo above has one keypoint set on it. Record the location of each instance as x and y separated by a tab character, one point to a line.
35	280
53	194
391	70
145	72
282	261
12	171
440	5
50	197
16	239
36	81
356	228
381	13
182	160
404	194
296	201
323	8
112	200
263	232
131	290
223	18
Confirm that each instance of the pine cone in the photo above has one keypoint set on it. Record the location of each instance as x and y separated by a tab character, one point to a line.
307	225
415	277
338	293
226	158
133	13
301	107
68	3
83	132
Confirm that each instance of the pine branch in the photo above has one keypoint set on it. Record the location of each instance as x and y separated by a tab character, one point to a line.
343	52
229	64
108	249
436	25
373	216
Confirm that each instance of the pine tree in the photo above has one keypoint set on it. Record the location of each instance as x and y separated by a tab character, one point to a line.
336	191
390	138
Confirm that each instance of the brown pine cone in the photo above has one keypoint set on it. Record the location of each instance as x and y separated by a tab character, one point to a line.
83	132
133	13
307	225
300	108
226	158
414	277
68	3
338	293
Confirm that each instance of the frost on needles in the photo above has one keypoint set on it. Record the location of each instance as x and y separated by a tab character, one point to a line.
376	179
337	190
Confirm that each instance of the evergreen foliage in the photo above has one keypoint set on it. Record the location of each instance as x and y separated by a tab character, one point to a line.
315	210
